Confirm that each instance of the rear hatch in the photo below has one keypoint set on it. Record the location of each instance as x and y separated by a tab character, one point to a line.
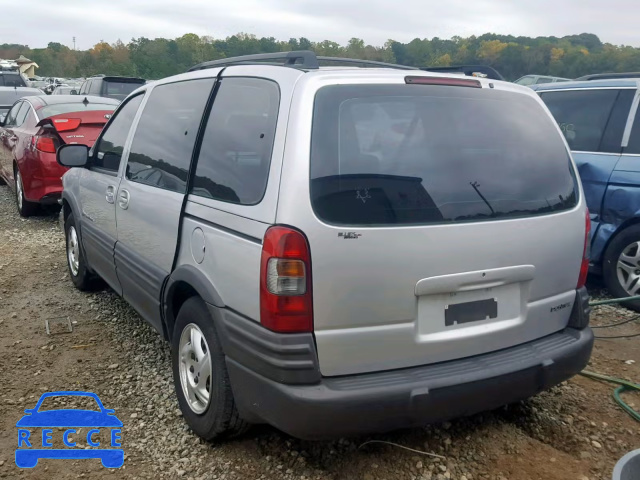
446	223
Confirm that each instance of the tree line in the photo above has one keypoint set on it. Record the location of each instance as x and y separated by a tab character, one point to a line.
569	56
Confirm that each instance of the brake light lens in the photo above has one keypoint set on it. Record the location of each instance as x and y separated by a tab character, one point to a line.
586	254
66	124
453	82
46	144
286	304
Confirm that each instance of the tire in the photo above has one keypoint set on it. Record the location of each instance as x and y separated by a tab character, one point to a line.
621	266
25	207
215	417
78	271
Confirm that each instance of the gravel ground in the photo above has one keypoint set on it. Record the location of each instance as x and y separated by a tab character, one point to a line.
573	432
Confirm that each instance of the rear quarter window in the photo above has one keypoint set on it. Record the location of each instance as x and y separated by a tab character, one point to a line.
236	148
415	154
584	117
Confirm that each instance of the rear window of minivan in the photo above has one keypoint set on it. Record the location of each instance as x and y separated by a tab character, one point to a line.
419	154
118	89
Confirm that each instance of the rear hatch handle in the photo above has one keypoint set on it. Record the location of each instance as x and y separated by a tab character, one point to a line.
460	282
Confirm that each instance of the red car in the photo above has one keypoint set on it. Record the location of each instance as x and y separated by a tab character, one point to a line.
31	133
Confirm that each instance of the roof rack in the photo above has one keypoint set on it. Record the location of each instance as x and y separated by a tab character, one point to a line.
609	76
482	71
304	60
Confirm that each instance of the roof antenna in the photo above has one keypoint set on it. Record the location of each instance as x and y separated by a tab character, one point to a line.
85	101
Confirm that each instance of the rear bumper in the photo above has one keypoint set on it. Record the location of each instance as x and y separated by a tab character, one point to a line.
412	397
42	179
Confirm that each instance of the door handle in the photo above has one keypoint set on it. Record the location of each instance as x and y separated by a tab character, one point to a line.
111	194
123	199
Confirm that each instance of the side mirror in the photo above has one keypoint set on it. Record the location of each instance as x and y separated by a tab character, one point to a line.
73	155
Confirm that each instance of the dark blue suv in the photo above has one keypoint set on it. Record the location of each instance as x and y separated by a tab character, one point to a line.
600	121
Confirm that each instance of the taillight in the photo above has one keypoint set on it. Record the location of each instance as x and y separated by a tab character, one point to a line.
453	82
66	124
46	144
586	254
285	282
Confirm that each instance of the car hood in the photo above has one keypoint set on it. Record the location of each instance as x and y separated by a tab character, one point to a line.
69	418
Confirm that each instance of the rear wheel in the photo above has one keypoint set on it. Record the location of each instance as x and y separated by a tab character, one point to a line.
25	207
621	266
200	375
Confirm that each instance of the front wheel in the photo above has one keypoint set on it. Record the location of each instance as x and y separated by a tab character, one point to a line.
200	375
621	266
78	271
25	207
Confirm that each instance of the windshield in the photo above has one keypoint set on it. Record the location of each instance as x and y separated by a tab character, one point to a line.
63	402
408	154
51	110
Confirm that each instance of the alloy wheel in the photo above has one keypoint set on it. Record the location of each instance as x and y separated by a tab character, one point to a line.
73	251
628	269
195	368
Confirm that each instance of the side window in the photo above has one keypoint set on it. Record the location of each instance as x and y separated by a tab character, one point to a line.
22	114
544	80
83	88
94	87
612	139
236	148
634	140
108	151
582	115
10	121
166	134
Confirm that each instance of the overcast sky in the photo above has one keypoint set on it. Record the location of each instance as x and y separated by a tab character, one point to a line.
375	21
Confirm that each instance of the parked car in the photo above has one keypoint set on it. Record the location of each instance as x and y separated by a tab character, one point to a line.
111	87
30	134
600	121
337	251
65	90
539	79
9	96
12	78
39	84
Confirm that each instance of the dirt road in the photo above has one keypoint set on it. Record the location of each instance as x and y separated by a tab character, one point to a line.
573	432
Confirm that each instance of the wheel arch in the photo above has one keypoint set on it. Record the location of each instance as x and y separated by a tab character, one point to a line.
69	206
185	282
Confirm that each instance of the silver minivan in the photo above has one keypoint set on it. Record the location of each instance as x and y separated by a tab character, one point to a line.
337	251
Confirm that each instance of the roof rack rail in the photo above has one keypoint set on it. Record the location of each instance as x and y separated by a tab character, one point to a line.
609	76
482	71
365	63
303	59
